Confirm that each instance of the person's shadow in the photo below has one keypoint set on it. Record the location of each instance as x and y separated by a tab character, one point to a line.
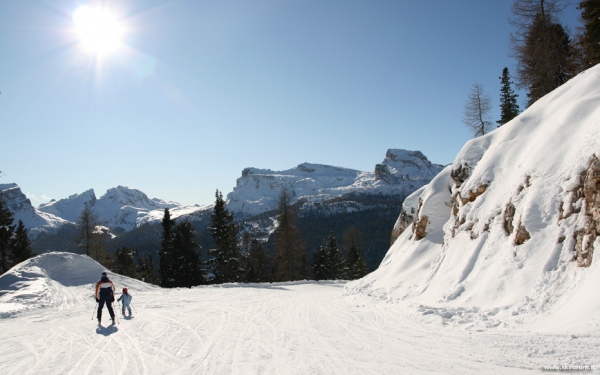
106	331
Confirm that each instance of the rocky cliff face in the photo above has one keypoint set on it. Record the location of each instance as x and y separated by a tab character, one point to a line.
22	209
513	224
258	190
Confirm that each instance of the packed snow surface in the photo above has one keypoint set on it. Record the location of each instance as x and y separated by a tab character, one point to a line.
48	327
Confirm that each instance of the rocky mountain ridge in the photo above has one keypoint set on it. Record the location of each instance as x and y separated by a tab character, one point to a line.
123	209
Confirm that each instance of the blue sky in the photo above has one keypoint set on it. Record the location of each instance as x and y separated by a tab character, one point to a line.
201	89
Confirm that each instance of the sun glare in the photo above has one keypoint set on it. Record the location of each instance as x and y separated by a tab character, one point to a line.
98	30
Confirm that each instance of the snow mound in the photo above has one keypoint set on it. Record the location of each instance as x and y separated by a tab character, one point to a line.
509	230
54	279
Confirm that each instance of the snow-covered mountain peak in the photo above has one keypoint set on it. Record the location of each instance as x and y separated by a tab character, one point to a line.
70	208
126	196
258	190
22	209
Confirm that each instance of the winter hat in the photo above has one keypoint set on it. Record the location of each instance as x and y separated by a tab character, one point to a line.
103	273
124	290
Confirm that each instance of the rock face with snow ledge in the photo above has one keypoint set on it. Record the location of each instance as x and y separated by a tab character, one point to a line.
258	190
511	227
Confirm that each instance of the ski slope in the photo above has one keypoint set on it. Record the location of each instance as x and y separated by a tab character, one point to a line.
48	327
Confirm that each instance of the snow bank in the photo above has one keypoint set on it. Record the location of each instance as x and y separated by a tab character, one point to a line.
54	279
504	224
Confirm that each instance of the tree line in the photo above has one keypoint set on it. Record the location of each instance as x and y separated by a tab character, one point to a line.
14	242
241	258
547	56
182	262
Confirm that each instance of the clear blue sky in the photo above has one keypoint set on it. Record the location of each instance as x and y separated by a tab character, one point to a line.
198	90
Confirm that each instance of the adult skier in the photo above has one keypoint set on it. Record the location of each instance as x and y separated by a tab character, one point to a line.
105	293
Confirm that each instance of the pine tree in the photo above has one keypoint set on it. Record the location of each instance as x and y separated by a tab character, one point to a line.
541	46
509	108
290	252
165	254
146	271
477	109
225	264
319	266
21	247
125	262
258	268
329	264
7	230
590	41
356	264
187	272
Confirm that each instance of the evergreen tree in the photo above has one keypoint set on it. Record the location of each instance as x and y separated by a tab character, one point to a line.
590	40
329	264
258	269
21	247
509	108
477	110
125	262
336	262
356	264
225	264
186	261
541	46
7	230
290	252
146	271
319	267
165	254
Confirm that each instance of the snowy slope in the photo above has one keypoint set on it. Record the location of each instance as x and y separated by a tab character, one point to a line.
510	228
48	327
258	190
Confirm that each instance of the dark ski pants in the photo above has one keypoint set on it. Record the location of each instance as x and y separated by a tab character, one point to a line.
108	306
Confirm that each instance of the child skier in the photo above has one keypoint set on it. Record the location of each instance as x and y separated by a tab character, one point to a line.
126	297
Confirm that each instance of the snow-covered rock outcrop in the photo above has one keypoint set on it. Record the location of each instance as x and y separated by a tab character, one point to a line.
258	190
512	227
121	209
22	209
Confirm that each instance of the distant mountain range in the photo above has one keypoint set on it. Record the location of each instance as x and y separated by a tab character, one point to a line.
123	209
322	192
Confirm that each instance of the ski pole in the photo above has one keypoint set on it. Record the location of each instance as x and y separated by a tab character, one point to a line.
116	316
94	310
133	308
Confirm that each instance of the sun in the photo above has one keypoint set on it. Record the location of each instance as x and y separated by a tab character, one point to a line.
97	29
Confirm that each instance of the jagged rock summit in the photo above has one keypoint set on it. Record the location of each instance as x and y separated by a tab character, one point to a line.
258	190
22	209
121	209
512	228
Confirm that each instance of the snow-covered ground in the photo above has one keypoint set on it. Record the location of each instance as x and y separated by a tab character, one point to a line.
48	327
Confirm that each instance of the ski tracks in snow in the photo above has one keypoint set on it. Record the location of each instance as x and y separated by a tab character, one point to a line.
285	328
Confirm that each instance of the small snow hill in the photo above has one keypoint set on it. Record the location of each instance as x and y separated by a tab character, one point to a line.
55	280
510	232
